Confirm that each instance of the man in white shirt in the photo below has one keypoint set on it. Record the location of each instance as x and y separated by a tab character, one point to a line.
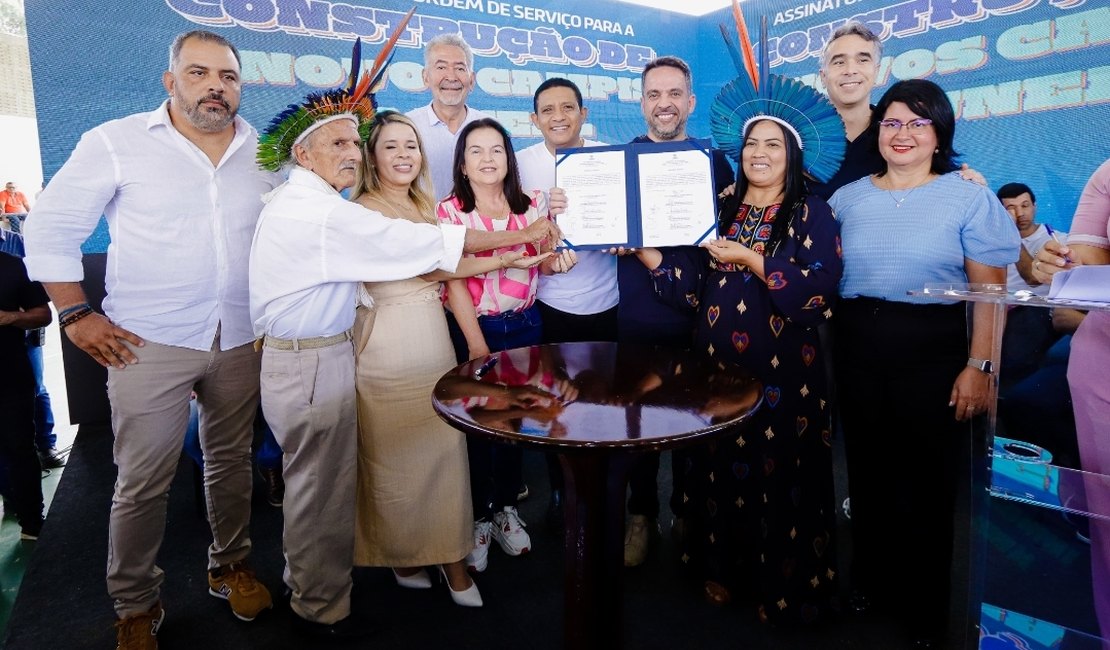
310	252
449	74
1030	331
1021	203
181	194
580	305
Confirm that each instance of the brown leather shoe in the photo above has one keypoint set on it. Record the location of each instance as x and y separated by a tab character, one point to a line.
140	632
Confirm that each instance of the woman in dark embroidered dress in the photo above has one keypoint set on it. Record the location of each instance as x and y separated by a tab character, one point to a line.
760	514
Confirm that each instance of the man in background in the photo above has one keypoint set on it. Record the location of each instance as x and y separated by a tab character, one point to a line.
449	74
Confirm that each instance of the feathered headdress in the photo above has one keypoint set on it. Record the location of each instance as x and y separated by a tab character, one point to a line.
353	101
758	95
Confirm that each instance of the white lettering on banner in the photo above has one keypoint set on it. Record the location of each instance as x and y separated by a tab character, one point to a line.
810	9
283	69
464	5
324	19
915	17
1062	90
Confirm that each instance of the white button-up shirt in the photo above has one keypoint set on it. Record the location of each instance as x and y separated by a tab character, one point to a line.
313	248
591	286
180	228
439	145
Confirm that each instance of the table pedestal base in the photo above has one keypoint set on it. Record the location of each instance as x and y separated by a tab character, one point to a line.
593	517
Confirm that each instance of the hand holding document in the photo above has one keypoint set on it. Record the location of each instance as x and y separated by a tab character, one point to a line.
1089	283
637	195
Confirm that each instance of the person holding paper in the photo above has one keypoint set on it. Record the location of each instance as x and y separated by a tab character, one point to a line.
667	102
764	500
580	305
413	496
494	311
1089	244
907	377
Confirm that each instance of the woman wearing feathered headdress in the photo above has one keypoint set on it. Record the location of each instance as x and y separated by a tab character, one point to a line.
760	504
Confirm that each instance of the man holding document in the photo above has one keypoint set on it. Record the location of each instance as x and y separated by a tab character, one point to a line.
667	102
580	305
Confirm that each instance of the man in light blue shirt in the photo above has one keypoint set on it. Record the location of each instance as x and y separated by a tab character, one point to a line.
449	74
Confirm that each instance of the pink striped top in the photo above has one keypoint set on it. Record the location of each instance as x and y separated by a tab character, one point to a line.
505	290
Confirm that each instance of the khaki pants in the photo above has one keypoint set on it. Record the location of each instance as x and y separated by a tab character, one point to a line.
150	411
309	400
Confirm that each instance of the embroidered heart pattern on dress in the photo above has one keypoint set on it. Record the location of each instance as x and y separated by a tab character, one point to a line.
712	314
740	341
809	353
772	395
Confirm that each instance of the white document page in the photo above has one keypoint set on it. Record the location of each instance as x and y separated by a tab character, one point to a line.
597	202
676	198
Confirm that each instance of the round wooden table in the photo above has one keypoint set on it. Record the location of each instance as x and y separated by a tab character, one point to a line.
596	405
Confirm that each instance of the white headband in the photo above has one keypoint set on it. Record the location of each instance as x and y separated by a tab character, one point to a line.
776	120
331	118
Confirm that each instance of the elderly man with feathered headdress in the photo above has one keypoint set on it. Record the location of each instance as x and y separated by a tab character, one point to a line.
311	249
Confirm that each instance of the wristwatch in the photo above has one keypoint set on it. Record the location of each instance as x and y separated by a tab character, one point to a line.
983	365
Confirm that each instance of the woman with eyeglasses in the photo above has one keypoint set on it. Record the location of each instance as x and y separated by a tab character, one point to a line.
910	377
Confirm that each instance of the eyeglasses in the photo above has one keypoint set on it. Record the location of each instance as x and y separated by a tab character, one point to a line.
914	126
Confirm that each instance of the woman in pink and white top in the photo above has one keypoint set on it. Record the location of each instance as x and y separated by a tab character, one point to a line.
494	311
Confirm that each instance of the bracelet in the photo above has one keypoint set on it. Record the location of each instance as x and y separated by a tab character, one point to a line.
73	318
73	309
501	257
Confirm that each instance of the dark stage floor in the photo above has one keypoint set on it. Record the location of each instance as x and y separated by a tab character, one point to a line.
62	603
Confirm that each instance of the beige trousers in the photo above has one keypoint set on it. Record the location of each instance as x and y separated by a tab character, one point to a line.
309	400
150	411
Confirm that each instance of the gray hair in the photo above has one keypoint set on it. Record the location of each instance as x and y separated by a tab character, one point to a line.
452	40
200	35
670	62
852	28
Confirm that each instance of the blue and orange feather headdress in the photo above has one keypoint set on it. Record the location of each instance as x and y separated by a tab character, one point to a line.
757	94
354	101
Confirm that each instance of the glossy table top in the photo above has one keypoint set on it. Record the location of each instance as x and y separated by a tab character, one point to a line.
588	395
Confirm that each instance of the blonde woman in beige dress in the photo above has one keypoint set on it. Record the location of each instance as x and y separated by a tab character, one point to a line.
413	500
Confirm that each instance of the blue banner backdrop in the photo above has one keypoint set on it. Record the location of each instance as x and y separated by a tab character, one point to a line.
1028	77
98	61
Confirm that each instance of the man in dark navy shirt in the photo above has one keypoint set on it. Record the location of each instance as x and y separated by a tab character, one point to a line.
23	306
849	65
667	101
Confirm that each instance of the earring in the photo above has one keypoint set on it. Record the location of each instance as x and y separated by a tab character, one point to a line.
937	150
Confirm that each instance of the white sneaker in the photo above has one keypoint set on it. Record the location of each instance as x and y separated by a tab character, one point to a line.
509	532
478	559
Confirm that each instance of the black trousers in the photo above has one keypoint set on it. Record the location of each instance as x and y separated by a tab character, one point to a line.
17	439
565	327
895	366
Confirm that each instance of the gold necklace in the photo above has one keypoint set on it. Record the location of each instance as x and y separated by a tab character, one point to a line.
400	214
899	201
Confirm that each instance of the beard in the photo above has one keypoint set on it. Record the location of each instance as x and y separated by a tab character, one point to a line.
667	134
206	118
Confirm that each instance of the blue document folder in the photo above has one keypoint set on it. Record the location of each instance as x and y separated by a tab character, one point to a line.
665	200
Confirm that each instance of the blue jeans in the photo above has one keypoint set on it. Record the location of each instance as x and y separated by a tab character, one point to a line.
495	469
267	454
45	438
